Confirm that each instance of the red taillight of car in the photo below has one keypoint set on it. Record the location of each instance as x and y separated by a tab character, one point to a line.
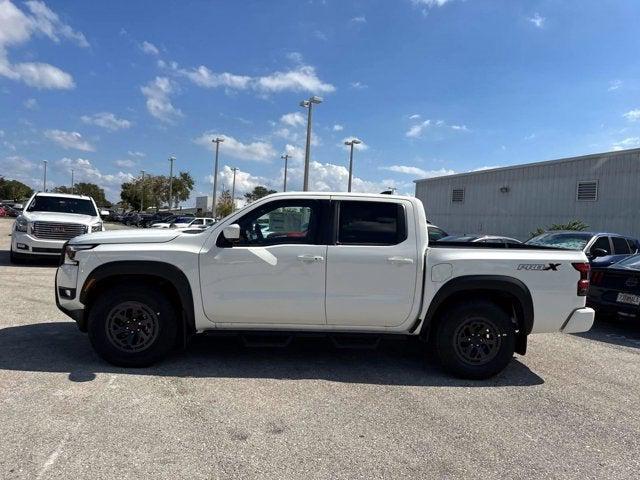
583	283
596	278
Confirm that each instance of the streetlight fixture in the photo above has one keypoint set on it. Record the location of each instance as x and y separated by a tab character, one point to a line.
217	141
285	157
351	143
233	190
171	160
44	180
142	194
308	104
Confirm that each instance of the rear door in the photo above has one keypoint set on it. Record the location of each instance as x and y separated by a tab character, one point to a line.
372	263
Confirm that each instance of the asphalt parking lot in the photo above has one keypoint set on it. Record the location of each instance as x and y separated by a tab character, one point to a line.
569	409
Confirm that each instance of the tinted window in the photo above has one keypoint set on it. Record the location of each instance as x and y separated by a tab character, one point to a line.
287	221
570	241
43	203
620	246
435	233
633	245
371	223
603	243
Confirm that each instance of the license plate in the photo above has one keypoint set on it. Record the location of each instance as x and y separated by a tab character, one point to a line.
628	298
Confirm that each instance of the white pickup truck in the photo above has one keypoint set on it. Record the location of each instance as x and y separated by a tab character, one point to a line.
329	262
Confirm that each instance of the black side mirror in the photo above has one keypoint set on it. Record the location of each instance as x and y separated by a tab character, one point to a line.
599	252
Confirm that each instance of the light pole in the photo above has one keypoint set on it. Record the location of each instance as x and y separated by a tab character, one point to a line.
217	141
44	181
233	190
142	193
351	143
285	157
72	183
171	160
308	104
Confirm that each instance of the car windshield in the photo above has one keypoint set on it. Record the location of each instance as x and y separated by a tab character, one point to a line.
45	203
568	241
632	262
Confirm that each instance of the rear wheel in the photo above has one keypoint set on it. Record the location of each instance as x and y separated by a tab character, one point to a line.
132	326
475	340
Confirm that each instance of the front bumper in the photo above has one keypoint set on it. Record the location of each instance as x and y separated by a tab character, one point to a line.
581	320
68	295
27	244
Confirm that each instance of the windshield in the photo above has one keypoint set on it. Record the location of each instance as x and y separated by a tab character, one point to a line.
568	241
43	203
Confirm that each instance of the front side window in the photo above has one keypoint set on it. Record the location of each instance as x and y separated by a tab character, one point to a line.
603	244
288	221
371	223
45	203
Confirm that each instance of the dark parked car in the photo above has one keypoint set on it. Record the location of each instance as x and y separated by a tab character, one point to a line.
481	239
157	217
615	290
601	248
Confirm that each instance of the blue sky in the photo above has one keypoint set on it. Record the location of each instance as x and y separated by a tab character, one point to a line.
430	86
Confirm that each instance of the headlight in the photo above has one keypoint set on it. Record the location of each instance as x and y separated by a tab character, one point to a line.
96	227
21	224
70	251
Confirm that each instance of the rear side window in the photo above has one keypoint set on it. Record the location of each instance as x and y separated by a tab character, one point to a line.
620	246
371	223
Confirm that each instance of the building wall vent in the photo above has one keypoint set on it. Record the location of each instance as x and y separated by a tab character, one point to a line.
457	195
587	191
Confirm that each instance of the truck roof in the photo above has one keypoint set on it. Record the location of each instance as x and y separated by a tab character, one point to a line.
62	195
341	194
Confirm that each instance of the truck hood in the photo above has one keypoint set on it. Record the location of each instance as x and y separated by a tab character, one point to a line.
59	217
147	235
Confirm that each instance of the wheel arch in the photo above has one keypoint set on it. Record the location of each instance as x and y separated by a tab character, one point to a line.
168	276
496	286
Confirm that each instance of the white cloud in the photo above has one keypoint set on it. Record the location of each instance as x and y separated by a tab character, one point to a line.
159	104
257	151
531	136
356	146
106	120
295	119
302	78
136	154
418	172
245	182
85	171
415	116
417	130
537	20
149	48
295	57
429	3
632	115
486	167
614	85
359	19
17	27
126	163
338	128
320	35
629	142
69	140
31	104
358	85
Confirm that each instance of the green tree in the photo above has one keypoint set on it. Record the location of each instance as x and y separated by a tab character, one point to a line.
14	190
89	189
224	205
573	225
156	190
257	193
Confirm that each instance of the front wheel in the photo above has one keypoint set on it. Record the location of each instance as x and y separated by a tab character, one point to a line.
475	340
132	326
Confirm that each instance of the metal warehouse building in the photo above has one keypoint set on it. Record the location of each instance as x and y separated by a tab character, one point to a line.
602	190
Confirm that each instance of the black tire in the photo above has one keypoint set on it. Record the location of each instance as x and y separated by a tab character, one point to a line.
132	326
16	258
475	340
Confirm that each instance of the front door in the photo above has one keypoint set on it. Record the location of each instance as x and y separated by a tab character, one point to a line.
372	268
274	274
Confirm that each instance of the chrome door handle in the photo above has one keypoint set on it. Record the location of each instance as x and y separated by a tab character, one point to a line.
400	260
310	258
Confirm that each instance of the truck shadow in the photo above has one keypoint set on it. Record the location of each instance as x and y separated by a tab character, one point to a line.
45	262
621	332
60	347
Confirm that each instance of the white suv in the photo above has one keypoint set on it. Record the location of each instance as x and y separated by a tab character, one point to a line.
48	221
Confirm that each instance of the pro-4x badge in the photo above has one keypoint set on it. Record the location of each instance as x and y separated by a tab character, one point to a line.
539	266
